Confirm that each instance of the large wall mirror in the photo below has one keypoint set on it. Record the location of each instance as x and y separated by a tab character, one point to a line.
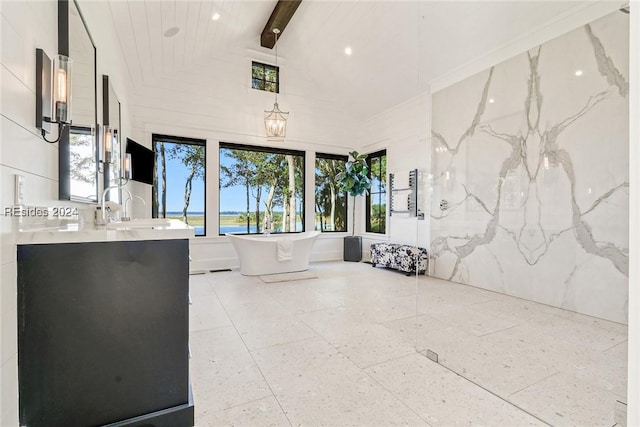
111	120
78	169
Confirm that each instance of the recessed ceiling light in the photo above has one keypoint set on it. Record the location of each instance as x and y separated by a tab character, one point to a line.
348	51
491	100
578	73
171	32
215	16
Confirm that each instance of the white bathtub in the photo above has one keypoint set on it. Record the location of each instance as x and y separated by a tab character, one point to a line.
259	253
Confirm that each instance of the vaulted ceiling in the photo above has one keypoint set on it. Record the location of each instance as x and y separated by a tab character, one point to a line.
398	47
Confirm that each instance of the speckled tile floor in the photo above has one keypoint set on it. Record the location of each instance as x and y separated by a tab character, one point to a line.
346	349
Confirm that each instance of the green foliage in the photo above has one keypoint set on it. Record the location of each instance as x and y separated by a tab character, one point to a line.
378	218
264	77
377	208
276	217
331	208
265	176
379	168
354	179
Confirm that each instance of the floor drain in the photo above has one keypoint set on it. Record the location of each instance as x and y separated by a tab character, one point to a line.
432	355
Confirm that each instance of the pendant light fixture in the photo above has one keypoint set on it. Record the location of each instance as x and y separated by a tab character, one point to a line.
275	120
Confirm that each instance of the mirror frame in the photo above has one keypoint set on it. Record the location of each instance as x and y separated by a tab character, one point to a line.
107	89
64	151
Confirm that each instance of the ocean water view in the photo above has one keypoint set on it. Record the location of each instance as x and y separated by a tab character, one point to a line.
236	229
196	220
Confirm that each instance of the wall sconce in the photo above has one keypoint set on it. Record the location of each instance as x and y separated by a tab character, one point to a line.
127	171
107	145
104	153
53	93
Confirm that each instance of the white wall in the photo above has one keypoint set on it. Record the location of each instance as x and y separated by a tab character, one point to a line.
403	132
229	110
25	26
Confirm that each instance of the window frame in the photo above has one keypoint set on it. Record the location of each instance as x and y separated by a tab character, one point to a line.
264	81
87	131
376	155
273	150
156	137
344	158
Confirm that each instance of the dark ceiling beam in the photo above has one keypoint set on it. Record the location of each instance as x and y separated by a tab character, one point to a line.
279	19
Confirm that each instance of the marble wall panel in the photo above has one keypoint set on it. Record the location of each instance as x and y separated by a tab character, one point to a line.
531	177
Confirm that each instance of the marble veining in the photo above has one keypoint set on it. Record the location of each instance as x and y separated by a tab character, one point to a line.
514	173
605	64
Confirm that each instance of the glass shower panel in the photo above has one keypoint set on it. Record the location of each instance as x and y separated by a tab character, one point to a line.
528	238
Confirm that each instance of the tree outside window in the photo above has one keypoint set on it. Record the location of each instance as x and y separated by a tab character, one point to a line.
330	202
179	180
83	182
261	188
265	77
377	198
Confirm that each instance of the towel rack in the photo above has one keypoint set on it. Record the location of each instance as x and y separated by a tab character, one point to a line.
412	195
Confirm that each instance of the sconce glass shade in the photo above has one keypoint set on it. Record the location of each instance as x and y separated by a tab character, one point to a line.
127	171
107	144
275	123
53	93
62	88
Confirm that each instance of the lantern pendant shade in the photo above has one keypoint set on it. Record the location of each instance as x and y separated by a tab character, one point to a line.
275	123
275	120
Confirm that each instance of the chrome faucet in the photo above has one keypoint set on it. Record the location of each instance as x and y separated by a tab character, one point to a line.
104	201
130	198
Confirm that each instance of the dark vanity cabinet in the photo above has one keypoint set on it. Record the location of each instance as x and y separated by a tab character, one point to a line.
103	334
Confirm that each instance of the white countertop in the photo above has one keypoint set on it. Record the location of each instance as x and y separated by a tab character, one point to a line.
77	232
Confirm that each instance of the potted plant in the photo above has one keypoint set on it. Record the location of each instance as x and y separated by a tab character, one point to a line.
354	179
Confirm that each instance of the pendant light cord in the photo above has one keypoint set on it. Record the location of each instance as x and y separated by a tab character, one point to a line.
276	31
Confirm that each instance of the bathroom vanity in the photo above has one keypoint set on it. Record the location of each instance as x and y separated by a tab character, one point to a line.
103	327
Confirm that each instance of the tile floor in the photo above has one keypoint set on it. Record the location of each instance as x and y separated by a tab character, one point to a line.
345	349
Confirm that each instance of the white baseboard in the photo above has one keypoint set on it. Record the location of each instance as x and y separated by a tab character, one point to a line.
326	256
213	264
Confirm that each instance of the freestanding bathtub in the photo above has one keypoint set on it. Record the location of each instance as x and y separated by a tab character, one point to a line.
259	253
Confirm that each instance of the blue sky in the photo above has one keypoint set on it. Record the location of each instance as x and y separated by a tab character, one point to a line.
177	175
234	197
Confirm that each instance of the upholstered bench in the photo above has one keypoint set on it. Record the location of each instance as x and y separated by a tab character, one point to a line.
400	257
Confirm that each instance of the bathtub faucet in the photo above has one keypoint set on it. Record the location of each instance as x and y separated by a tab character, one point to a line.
268	225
